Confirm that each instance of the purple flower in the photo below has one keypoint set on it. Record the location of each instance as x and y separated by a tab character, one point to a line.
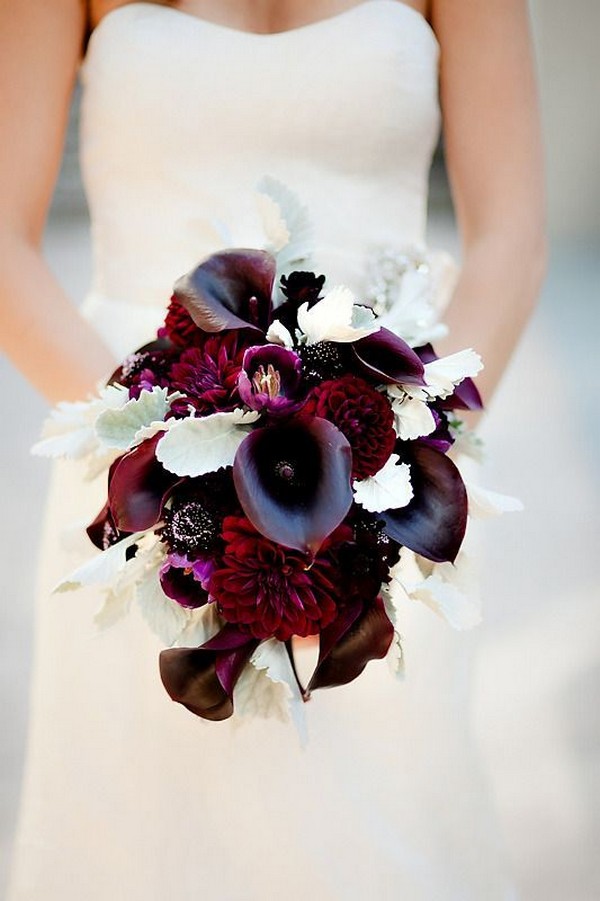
185	581
269	380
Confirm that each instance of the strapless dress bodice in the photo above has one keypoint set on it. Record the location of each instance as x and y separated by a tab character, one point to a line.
182	117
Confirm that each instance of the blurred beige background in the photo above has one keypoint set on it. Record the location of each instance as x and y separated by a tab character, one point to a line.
538	676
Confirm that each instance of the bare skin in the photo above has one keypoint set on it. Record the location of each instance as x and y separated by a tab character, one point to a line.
493	145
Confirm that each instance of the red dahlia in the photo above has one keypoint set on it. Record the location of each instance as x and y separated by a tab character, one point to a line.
362	414
179	326
271	590
208	374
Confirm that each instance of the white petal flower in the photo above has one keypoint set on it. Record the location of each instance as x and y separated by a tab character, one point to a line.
69	429
330	319
388	489
409	288
412	417
484	504
103	568
279	334
165	617
444	374
273	223
194	446
268	688
451	591
119	428
284	211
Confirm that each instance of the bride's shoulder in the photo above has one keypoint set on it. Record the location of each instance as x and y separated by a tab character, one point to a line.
96	10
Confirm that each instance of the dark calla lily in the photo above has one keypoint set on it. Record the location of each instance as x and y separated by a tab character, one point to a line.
138	488
202	679
441	438
360	634
293	481
270	379
386	358
433	523
230	289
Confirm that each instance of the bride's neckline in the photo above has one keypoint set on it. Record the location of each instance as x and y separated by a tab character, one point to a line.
405	9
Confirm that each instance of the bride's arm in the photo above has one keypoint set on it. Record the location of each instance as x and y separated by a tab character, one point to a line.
493	146
41	330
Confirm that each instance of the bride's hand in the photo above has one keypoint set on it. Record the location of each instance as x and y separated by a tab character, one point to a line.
494	155
42	332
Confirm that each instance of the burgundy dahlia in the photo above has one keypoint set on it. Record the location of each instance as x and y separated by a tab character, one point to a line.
270	590
362	414
179	327
208	374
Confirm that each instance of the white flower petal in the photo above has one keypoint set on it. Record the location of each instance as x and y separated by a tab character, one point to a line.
294	216
273	222
268	688
103	568
444	374
196	446
203	624
119	428
279	334
388	489
330	319
165	617
484	504
412	418
460	610
69	429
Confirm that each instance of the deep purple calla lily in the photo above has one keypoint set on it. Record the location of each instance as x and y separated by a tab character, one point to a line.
230	289
388	359
138	488
202	679
293	481
270	379
433	523
362	632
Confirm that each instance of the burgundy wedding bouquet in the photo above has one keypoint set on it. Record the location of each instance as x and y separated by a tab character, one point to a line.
272	467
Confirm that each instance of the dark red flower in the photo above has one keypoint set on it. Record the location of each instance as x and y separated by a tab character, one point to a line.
270	590
208	373
362	414
179	326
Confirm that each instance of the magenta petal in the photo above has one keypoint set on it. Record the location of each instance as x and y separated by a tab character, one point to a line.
179	584
230	289
138	488
387	359
367	638
293	481
433	524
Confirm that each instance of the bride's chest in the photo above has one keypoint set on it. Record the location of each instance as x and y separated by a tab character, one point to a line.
356	86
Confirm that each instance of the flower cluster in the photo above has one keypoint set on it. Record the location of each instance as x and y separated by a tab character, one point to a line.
270	463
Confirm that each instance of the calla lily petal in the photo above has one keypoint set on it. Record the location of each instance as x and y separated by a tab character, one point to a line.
230	289
368	637
433	524
385	357
138	488
203	679
293	481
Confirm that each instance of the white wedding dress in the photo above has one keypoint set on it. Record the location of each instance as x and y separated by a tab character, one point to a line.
128	796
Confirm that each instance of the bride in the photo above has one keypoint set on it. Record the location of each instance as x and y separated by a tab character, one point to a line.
185	106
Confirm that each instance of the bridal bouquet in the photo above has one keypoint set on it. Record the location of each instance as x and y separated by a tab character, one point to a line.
278	459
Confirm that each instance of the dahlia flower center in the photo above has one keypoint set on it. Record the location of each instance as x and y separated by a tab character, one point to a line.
268	382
